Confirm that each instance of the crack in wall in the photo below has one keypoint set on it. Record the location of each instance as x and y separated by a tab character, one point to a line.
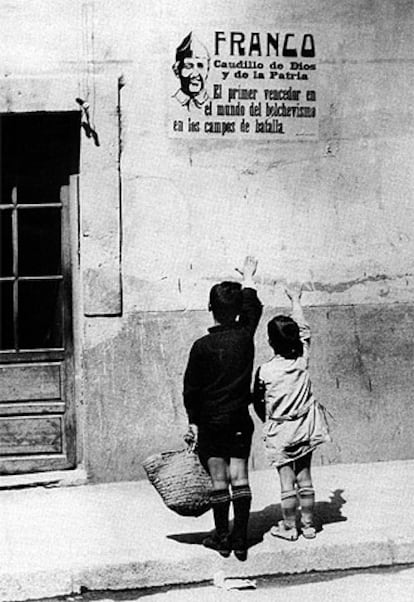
318	286
341	287
360	364
338	287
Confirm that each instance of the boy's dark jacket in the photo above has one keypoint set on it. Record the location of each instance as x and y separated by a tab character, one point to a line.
218	376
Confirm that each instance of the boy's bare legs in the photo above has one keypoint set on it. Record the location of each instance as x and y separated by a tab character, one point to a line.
241	498
220	501
219	470
239	474
223	473
306	494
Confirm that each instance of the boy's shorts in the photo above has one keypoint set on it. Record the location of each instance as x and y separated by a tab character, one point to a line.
225	440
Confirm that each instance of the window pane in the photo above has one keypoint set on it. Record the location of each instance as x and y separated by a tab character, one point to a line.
40	314
6	243
38	187
6	316
39	234
8	148
6	189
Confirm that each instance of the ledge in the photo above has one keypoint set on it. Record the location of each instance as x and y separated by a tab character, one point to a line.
56	478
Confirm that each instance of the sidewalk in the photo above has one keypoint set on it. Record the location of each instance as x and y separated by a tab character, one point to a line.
116	536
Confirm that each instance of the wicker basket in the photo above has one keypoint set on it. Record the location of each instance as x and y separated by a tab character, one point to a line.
181	481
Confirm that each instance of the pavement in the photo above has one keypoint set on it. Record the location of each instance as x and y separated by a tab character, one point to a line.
64	540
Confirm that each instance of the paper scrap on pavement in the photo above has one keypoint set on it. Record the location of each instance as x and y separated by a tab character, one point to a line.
228	583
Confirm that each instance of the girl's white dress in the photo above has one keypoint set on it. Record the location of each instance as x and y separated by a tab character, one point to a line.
295	422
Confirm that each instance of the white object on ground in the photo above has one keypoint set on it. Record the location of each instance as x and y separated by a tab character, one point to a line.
228	583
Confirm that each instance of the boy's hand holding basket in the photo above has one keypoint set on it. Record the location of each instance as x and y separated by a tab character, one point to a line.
180	479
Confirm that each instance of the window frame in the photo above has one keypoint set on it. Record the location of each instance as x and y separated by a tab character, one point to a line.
56	353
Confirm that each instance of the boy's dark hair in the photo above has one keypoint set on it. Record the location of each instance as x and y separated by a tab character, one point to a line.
226	301
284	337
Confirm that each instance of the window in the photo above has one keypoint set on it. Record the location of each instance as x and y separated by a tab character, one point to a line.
39	151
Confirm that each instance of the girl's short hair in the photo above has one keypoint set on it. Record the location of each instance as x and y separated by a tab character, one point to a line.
226	301
284	337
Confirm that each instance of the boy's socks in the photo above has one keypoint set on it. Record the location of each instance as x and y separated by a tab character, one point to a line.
289	507
242	498
307	504
220	501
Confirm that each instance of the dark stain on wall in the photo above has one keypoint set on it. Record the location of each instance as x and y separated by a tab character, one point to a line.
361	364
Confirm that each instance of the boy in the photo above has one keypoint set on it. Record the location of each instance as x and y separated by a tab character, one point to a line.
217	384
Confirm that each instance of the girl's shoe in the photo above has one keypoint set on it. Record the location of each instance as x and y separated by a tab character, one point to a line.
308	532
219	543
284	532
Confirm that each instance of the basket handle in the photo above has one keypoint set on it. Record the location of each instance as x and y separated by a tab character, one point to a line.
191	447
191	438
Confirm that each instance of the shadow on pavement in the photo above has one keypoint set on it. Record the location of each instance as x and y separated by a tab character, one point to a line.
260	522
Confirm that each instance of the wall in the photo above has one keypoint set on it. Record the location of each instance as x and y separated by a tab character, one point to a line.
335	213
361	368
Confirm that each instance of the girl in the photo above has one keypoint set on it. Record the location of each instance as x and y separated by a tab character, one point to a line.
295	422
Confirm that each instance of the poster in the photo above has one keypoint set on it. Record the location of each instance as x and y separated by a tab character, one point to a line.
244	85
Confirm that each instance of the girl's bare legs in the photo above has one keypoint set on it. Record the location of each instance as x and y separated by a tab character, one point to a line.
287	477
288	494
303	471
306	494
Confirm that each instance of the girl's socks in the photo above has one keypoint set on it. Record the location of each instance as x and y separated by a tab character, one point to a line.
289	507
307	504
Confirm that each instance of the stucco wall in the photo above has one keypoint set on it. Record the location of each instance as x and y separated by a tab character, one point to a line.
335	213
361	368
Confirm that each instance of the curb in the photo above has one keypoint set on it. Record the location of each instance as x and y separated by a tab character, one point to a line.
269	559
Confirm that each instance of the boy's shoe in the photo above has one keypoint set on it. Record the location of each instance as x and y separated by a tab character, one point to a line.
282	531
219	543
239	547
240	553
309	532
